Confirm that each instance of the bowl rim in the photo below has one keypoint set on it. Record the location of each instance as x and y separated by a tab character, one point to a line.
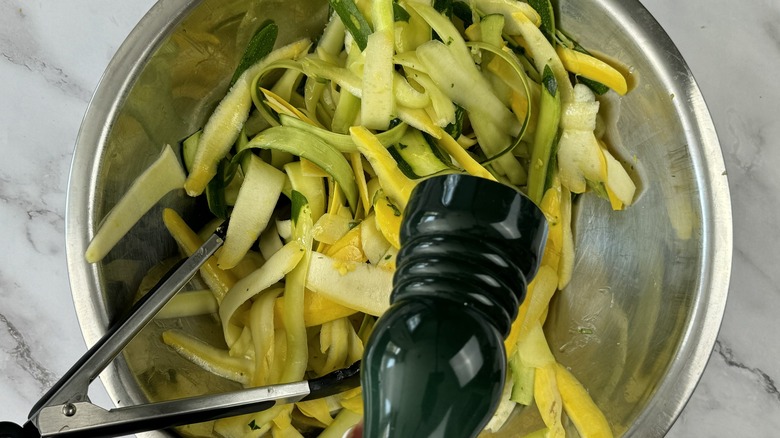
690	358
80	224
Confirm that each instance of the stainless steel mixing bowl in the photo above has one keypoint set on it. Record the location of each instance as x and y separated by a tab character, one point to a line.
636	325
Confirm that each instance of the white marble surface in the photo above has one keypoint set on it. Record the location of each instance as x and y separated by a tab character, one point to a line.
52	54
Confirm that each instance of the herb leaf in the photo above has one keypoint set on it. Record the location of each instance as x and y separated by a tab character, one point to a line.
259	46
298	202
353	20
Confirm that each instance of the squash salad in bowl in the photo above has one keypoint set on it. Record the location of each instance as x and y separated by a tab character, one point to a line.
313	152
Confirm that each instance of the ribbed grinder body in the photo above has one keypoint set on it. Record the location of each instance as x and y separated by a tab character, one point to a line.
435	363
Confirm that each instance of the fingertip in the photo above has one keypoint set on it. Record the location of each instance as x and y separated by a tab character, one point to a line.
355	432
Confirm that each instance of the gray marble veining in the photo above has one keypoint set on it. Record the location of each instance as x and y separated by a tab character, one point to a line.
51	57
20	352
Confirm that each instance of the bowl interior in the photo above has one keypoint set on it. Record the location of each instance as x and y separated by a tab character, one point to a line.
636	323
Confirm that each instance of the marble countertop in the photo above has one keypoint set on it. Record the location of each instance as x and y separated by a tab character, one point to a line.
52	54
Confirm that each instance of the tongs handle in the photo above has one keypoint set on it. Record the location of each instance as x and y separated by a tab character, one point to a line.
13	430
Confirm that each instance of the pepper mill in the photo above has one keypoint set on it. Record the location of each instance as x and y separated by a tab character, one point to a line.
435	363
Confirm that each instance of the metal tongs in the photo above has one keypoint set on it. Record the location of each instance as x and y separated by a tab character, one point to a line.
65	410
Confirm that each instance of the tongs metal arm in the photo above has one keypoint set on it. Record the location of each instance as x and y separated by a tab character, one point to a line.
65	410
73	386
89	420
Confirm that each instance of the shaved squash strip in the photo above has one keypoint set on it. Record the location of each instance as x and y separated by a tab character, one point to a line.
255	205
218	281
164	175
223	127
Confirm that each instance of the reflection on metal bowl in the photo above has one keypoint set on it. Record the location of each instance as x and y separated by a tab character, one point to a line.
639	319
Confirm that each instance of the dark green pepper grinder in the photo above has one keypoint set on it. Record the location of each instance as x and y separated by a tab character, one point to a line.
435	363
